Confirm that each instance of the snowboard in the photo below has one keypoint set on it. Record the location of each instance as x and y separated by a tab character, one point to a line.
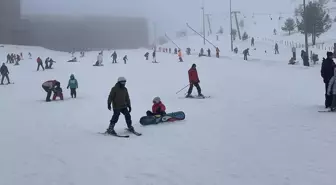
170	117
326	111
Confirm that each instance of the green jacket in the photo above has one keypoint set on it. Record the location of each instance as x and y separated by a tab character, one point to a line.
119	97
73	84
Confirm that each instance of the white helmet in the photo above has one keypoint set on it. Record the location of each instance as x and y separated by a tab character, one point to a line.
121	79
156	99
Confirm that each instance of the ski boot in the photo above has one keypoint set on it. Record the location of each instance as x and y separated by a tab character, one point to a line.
110	132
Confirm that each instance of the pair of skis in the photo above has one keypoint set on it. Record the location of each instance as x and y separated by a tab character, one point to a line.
122	136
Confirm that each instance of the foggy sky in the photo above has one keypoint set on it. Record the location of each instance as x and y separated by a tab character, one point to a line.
170	15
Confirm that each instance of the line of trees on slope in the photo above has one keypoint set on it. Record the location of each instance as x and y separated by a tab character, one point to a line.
318	19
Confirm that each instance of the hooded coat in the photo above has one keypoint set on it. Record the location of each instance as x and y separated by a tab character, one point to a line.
73	84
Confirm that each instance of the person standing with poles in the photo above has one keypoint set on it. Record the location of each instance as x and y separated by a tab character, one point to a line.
194	81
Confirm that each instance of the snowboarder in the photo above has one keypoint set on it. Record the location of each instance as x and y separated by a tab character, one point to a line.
73	60
194	81
39	63
327	72
125	59
114	57
73	84
217	52
180	55
18	59
294	52
120	100
4	72
252	41
175	51
276	48
246	52
158	108
49	87
331	91
146	55
30	55
209	52
169	50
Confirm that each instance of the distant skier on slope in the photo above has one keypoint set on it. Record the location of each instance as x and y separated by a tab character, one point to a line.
125	59
180	55
194	81
158	108
120	100
246	52
114	57
146	55
39	63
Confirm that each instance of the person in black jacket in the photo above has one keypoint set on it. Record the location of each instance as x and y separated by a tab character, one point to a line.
327	72
4	72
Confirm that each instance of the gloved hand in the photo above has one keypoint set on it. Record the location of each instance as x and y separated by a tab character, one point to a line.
109	107
129	109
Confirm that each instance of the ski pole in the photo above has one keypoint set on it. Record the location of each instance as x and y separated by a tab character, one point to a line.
182	89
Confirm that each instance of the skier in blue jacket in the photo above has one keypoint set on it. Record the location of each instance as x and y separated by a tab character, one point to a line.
73	84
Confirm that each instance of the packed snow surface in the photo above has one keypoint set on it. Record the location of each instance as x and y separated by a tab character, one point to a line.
260	126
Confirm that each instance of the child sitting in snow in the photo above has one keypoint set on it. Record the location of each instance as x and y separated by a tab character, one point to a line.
158	108
58	92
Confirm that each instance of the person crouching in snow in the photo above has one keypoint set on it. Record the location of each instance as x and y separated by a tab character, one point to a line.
158	108
49	87
73	84
332	91
58	92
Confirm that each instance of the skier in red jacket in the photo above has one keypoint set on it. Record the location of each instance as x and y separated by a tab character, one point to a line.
158	108
194	81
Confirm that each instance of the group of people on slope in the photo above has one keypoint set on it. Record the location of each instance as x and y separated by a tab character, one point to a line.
121	103
54	86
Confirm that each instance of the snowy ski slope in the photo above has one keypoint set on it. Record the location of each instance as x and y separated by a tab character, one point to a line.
261	125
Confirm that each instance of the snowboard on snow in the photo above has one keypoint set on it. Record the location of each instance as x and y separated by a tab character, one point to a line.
156	119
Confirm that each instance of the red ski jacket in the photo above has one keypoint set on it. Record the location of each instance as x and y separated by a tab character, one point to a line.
156	106
193	76
38	60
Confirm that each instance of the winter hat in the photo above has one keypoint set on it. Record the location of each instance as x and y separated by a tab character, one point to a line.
194	65
329	54
121	79
156	100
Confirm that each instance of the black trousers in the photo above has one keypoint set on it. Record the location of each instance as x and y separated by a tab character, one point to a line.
114	60
197	87
49	91
38	66
115	118
328	98
245	57
3	77
73	92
